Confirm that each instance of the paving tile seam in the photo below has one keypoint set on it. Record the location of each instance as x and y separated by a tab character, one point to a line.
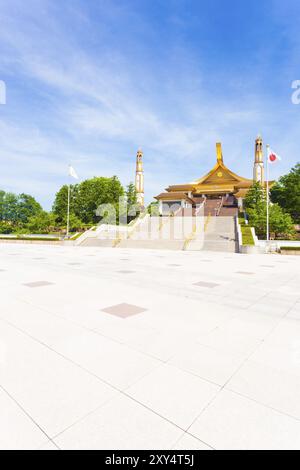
173	290
262	404
90	330
195	437
224	387
67	320
25	412
121	391
221	389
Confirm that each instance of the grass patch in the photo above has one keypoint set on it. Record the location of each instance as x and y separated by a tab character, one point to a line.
290	248
40	239
247	237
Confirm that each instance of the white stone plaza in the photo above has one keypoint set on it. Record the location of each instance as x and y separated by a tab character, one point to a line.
104	348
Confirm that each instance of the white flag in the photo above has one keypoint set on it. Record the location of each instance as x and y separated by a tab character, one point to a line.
73	173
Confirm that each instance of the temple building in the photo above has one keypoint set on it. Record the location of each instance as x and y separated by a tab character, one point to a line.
220	183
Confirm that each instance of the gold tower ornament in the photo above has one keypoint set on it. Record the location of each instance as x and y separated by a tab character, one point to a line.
139	178
259	170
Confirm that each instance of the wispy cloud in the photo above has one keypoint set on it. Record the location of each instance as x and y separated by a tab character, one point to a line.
89	83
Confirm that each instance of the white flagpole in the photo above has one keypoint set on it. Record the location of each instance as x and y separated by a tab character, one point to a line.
68	213
268	202
73	174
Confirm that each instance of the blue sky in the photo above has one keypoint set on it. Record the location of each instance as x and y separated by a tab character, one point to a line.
89	81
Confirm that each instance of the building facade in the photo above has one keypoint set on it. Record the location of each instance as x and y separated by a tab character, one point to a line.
220	183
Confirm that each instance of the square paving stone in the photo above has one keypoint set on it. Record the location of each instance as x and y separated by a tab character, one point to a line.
209	285
38	284
124	271
124	310
246	273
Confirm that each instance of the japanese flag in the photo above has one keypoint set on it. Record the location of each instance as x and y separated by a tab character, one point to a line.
73	173
273	157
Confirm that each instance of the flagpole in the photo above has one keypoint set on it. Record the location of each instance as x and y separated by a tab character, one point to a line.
68	213
268	202
73	174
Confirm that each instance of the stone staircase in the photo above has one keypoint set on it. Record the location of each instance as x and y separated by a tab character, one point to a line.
228	208
220	234
192	232
212	206
157	233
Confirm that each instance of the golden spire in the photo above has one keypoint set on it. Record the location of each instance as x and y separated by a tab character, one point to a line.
219	153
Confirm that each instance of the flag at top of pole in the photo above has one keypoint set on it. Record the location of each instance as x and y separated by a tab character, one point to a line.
273	157
73	173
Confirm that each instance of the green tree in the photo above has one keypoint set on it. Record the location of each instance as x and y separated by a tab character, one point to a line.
2	201
10	208
86	198
75	223
133	207
43	222
6	227
18	209
153	209
60	205
131	194
280	222
95	192
27	207
286	192
255	196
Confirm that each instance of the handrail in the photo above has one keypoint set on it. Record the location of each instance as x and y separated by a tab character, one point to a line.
137	224
220	206
192	235
207	222
92	233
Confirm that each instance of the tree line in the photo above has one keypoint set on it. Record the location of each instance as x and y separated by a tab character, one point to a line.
23	214
284	209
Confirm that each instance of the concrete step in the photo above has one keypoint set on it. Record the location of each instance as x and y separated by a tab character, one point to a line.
220	246
152	244
220	234
195	245
98	242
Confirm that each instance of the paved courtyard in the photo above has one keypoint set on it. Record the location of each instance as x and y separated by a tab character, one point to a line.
106	348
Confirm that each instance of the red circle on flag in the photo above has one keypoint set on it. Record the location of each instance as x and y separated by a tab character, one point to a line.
272	157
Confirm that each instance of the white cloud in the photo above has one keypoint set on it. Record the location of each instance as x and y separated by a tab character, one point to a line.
103	103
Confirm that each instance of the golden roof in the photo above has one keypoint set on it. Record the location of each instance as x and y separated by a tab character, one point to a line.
173	195
218	178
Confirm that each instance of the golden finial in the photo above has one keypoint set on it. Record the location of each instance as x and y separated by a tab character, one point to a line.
219	152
